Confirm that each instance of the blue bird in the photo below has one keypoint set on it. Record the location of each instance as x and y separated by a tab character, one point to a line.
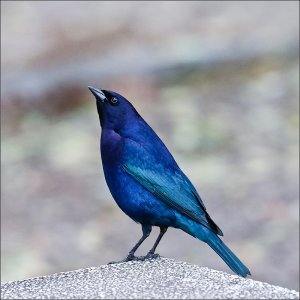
146	182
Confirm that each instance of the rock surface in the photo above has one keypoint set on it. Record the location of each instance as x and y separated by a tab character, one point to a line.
151	279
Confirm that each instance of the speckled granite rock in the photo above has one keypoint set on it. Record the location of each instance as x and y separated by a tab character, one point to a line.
151	279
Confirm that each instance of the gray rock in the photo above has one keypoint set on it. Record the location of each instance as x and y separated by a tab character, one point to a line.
151	279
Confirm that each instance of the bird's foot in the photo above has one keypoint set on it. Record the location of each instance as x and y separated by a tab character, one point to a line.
149	256
129	257
152	255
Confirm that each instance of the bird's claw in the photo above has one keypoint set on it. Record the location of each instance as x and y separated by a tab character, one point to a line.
126	259
152	255
149	256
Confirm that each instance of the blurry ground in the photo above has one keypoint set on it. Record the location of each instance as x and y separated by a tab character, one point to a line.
219	82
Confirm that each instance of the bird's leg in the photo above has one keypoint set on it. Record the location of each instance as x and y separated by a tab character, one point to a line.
146	232
152	251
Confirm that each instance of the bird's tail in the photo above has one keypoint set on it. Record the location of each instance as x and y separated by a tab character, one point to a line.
227	255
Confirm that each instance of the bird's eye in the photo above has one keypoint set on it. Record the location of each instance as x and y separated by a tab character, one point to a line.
113	100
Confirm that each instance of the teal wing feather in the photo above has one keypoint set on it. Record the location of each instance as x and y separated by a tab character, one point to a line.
167	184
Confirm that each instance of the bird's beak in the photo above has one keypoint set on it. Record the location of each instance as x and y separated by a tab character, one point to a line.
98	94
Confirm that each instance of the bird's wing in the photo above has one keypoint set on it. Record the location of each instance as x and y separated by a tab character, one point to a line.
167	182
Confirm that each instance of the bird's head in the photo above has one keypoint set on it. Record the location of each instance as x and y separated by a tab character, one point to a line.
114	110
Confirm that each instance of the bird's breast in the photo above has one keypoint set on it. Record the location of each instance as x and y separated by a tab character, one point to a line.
136	201
111	147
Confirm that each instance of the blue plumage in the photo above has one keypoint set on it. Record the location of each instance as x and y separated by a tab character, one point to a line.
146	181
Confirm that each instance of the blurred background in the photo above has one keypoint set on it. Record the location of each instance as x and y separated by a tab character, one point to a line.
219	83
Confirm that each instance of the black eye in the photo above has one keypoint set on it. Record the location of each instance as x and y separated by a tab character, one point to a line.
113	100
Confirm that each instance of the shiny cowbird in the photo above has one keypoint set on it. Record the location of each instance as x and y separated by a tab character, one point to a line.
146	182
